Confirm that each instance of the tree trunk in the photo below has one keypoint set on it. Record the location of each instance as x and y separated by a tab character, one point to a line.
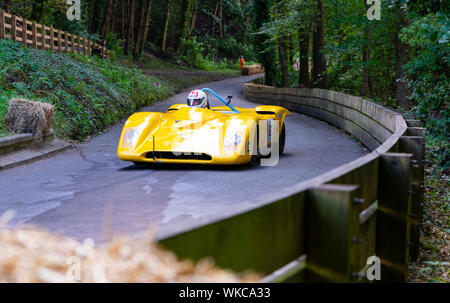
366	59
140	33
402	55
123	17
264	50
221	19
319	72
214	20
187	16
106	18
112	24
367	84
166	25
130	31
282	54
93	22
147	25
303	76
194	17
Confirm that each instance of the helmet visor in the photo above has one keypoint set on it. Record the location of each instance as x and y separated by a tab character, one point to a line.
194	102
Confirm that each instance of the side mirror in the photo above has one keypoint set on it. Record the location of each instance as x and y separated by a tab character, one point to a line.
229	98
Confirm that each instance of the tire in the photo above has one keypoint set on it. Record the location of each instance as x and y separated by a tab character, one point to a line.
139	163
282	140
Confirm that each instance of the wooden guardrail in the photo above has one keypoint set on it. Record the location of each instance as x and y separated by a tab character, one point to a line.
326	228
32	34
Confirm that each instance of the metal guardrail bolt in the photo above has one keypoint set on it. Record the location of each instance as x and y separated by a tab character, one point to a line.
356	240
414	161
358	200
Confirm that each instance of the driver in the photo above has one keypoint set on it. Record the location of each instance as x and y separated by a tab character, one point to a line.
198	99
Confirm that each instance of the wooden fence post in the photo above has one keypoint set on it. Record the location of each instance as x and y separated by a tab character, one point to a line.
89	47
52	38
79	44
333	224
393	224
2	25
34	33
416	146
66	36
13	28
24	32
43	39
413	123
59	41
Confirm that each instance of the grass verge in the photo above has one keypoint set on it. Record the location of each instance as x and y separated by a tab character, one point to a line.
89	94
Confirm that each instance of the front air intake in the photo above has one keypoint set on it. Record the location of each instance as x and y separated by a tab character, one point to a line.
177	156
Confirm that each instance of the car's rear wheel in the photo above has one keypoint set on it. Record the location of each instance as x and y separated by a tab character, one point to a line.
139	163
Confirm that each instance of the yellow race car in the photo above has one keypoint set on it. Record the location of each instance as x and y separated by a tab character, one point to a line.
211	135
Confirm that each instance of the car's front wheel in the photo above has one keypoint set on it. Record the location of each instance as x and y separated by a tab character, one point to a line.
282	140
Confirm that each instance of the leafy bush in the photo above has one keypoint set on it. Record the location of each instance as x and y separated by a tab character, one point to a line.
428	78
191	52
199	54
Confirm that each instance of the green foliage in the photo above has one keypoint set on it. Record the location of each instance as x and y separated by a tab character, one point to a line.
191	52
197	54
230	48
265	48
113	44
289	17
88	93
428	78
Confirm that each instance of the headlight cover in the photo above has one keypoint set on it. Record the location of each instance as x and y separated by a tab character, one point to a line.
130	137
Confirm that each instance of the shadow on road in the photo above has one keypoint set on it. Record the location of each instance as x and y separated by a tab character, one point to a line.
199	167
182	166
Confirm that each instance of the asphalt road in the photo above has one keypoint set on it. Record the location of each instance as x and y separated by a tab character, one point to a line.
89	192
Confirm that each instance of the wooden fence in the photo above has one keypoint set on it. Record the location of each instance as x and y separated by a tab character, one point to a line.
43	37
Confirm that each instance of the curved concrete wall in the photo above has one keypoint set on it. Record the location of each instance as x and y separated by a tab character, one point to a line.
325	228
